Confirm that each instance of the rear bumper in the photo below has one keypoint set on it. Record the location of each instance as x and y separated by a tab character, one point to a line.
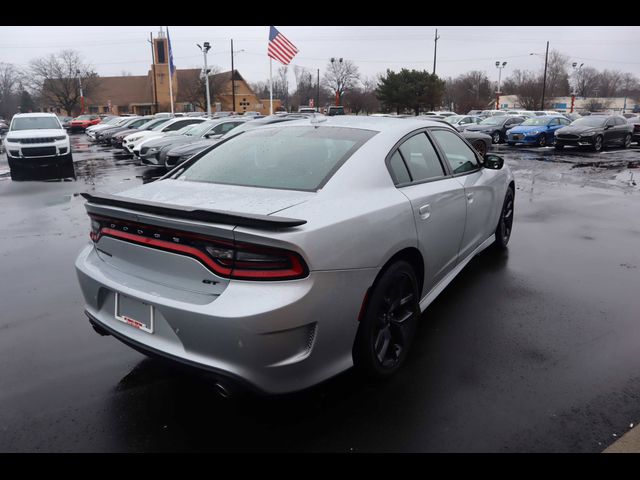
277	337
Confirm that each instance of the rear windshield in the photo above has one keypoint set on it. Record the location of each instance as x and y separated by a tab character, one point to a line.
292	158
35	123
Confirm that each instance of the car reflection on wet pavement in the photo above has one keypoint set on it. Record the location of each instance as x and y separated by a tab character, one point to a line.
534	350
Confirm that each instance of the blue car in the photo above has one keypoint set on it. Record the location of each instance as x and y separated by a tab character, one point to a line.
537	131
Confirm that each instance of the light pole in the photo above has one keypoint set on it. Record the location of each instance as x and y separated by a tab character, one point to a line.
499	67
339	60
205	49
575	67
81	95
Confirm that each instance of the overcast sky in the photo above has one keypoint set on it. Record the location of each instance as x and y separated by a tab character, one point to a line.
113	50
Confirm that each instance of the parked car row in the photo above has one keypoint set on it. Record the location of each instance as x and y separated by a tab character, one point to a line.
167	141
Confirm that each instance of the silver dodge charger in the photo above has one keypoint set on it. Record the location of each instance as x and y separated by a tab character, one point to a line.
292	252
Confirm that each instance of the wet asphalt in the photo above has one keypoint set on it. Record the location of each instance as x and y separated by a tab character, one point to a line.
534	350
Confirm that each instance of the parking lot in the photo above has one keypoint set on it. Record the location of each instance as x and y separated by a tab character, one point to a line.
531	351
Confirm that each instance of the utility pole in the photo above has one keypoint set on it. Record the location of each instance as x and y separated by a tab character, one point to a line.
435	51
544	78
318	92
153	71
233	80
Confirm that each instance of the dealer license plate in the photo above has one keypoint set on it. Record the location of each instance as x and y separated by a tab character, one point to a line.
134	312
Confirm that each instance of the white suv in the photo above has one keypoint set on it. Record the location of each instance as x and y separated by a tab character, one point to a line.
37	140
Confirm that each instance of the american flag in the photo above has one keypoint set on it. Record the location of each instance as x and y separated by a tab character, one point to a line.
171	65
279	47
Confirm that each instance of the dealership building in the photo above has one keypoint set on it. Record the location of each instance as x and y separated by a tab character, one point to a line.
149	94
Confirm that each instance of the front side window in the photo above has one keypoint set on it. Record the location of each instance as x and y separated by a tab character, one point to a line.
293	158
458	154
421	158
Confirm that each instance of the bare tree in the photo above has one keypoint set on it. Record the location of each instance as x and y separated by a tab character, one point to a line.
363	98
586	80
10	79
557	75
341	76
306	87
281	85
470	91
57	78
193	89
527	86
609	82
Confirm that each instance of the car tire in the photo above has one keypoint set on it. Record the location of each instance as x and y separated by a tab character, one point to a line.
598	144
66	168
542	141
558	146
481	147
505	223
388	324
627	141
17	172
495	137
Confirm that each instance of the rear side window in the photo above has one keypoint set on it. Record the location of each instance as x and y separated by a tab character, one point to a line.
399	169
179	125
421	158
460	156
293	158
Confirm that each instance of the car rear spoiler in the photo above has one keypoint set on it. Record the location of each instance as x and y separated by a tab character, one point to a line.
204	215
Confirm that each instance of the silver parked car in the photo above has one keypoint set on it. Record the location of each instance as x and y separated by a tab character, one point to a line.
294	251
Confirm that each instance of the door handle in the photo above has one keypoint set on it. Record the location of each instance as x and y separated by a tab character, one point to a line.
425	211
470	197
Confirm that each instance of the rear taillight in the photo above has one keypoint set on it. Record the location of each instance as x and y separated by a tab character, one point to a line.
225	258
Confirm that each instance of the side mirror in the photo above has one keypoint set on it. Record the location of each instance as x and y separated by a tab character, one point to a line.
607	127
213	135
494	162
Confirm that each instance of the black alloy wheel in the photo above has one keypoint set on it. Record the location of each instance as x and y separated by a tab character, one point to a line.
505	224
495	137
542	141
388	325
597	144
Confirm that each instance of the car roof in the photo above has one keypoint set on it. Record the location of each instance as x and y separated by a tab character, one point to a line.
37	114
383	125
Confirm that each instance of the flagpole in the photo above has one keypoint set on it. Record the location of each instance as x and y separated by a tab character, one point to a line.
171	89
270	86
170	72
